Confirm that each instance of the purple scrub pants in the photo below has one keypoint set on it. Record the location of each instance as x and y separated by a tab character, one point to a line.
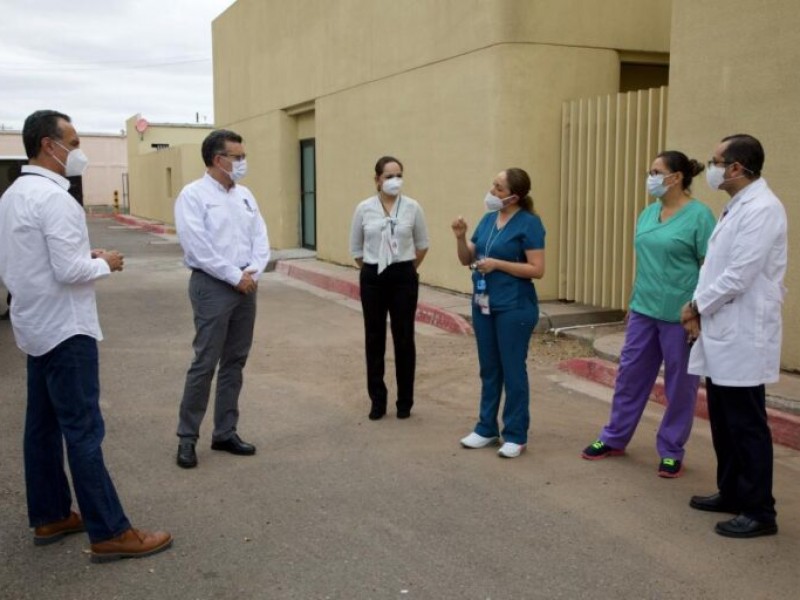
648	341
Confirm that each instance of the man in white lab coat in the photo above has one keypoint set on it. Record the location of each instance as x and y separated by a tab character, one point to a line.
735	317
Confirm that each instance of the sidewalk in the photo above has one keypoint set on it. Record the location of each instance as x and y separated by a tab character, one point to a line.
783	397
451	311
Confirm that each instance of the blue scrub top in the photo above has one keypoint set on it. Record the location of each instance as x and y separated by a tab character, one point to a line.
523	232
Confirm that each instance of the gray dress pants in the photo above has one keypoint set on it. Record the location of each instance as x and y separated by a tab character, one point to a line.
223	321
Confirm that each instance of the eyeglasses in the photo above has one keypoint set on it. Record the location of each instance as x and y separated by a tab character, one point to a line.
714	162
654	173
235	157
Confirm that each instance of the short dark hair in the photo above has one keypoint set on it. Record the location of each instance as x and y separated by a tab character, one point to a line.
39	125
747	151
215	144
383	161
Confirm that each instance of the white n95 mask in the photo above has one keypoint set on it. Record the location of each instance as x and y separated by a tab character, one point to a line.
392	186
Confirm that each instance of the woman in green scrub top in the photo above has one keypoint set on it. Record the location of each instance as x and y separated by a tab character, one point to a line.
505	253
670	242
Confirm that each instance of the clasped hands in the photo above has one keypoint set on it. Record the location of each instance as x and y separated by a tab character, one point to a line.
247	285
115	260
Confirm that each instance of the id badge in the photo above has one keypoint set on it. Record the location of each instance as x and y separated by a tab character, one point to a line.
482	300
393	245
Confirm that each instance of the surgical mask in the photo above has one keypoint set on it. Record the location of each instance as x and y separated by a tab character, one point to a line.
238	169
715	176
391	187
655	185
76	163
493	203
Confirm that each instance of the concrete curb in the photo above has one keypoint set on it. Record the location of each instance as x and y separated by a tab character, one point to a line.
426	313
144	224
785	427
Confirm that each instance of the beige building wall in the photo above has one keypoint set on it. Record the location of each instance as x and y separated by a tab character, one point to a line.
107	163
457	89
734	70
156	176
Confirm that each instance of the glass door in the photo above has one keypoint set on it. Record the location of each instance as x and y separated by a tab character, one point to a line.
308	195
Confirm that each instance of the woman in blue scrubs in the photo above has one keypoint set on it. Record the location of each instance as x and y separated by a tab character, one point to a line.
505	253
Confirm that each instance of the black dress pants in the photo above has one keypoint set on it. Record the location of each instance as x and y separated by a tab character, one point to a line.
743	444
393	292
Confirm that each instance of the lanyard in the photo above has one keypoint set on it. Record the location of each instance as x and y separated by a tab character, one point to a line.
493	238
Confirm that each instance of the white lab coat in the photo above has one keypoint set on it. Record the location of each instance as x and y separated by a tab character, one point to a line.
740	292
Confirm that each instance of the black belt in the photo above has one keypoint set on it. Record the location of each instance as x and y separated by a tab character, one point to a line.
195	270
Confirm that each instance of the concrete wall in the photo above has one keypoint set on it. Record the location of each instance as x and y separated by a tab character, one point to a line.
734	70
107	163
167	172
157	176
457	89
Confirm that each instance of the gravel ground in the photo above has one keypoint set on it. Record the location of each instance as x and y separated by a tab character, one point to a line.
546	349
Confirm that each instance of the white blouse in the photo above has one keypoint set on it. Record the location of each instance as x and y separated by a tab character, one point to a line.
383	240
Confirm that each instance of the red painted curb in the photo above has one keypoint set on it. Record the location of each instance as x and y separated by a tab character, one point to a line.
426	313
785	427
144	224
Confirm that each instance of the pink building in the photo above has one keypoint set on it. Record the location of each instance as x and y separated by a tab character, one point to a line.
107	171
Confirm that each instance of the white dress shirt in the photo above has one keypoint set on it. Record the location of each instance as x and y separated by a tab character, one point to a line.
46	263
381	239
221	231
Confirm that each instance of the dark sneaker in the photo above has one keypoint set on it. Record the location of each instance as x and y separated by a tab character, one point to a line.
598	450
670	468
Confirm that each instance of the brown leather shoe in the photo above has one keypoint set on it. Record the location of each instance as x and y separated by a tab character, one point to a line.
133	543
52	532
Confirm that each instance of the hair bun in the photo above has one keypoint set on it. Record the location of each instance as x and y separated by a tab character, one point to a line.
696	166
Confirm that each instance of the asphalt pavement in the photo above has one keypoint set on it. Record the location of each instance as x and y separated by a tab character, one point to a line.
334	506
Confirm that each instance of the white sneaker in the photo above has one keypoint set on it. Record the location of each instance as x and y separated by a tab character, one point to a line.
511	450
473	440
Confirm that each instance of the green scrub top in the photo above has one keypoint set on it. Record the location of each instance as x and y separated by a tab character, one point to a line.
668	257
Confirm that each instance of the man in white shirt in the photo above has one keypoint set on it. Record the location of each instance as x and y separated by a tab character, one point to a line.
738	304
49	268
225	244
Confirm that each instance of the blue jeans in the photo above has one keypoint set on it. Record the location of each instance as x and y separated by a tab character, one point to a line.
63	402
503	338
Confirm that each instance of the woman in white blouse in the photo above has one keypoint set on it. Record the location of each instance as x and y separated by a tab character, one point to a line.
389	240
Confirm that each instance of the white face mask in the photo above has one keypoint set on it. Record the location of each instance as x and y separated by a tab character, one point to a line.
715	176
238	169
655	185
76	163
391	187
493	203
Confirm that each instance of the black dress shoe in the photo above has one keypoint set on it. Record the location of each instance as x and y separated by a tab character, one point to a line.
713	503
403	413
745	527
187	458
377	412
234	445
